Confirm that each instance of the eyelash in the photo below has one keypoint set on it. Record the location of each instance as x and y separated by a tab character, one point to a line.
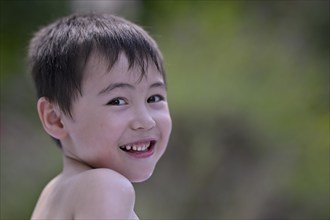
116	101
151	99
160	98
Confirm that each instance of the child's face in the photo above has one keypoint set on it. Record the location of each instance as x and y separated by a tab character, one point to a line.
119	122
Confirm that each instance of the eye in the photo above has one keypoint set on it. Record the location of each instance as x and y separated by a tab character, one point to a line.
155	98
117	101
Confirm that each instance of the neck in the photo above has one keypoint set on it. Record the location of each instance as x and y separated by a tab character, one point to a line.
72	166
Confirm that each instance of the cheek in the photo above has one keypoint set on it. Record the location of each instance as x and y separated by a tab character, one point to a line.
165	123
109	128
89	130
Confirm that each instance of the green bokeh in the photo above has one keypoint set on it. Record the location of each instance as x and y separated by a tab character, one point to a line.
249	95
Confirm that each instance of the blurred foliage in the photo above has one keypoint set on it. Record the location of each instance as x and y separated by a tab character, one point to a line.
249	96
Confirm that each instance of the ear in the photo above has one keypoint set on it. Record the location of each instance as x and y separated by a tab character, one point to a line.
50	117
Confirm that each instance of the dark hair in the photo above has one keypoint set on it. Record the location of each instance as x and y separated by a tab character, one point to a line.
59	52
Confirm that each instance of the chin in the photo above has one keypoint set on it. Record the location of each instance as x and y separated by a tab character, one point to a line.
140	177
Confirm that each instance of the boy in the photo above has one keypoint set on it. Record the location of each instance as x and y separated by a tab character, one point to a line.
102	96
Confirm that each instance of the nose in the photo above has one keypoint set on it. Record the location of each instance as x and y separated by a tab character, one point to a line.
142	120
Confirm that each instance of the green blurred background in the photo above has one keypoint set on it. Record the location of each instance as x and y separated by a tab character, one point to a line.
249	96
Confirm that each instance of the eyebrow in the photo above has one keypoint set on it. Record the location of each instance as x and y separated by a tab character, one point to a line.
113	86
158	85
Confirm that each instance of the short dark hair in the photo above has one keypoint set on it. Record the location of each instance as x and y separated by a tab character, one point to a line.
59	52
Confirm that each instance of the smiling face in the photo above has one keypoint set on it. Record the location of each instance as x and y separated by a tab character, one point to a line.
121	121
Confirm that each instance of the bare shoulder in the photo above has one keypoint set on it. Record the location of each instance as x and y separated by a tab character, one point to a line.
103	175
104	181
92	194
103	193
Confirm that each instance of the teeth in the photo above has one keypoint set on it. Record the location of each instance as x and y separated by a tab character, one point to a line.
136	147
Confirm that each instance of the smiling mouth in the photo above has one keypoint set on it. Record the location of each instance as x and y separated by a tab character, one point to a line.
138	148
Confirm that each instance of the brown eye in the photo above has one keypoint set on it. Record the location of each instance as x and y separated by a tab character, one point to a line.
117	101
155	98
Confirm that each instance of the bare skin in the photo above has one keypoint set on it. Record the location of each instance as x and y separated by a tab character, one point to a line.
119	129
69	195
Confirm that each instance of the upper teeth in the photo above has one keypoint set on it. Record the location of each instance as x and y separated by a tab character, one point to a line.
142	147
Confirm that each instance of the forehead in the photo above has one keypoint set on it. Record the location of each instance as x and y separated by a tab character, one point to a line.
98	65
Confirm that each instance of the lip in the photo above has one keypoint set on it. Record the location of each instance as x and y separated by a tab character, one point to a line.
142	154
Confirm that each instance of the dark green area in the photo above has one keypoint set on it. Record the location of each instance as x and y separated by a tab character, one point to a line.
249	94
